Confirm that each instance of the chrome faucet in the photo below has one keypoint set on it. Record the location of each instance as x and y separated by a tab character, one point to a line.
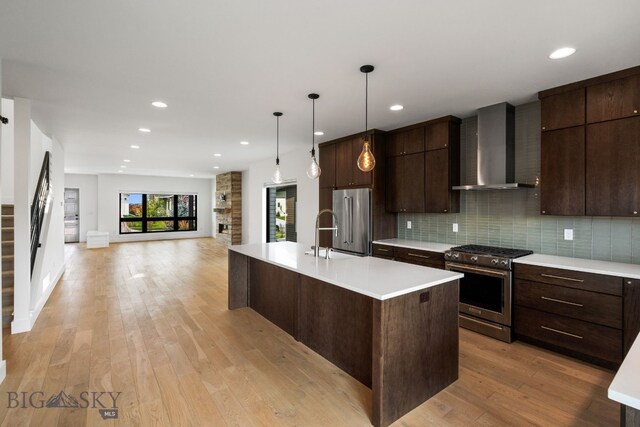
316	249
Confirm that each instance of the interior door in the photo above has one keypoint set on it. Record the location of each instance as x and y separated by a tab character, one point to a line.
71	215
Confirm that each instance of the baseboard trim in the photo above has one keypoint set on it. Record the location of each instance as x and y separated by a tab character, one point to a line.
33	314
19	326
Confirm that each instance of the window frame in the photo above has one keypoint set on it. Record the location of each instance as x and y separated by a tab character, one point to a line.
144	219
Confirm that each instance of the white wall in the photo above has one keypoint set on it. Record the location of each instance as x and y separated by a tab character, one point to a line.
111	185
6	153
293	165
3	363
88	193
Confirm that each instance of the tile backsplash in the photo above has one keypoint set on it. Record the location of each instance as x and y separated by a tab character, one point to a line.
511	218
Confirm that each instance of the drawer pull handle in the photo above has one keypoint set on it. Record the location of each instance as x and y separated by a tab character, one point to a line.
382	250
562	301
561	332
418	255
551	276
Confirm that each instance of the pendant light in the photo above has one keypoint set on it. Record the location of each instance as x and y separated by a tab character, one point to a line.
366	161
277	178
313	171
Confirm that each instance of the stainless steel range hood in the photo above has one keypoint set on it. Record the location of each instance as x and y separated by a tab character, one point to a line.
496	150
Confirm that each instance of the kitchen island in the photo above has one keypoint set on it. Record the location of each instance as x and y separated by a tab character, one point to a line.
392	326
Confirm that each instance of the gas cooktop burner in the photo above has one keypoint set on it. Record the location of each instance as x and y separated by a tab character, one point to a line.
492	250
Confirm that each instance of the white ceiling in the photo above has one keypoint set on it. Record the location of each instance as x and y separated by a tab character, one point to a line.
91	69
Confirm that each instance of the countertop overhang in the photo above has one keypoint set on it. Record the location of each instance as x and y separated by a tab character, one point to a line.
625	387
374	277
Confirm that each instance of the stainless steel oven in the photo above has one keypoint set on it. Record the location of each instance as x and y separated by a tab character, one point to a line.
486	288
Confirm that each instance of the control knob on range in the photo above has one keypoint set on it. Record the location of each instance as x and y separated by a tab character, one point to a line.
447	254
504	262
494	261
474	258
456	255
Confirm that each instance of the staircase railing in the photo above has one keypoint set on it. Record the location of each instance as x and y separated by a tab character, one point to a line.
38	207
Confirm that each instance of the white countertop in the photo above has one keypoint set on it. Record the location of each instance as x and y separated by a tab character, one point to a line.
625	387
416	244
630	271
374	277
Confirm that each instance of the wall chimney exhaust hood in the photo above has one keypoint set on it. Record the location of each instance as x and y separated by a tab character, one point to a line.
496	150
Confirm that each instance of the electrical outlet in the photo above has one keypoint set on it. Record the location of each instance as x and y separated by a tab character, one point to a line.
408	225
455	227
568	234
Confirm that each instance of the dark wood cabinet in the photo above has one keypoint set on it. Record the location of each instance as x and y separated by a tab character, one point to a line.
573	312
410	256
562	110
631	312
437	135
405	183
406	142
612	172
615	99
347	172
562	172
438	166
327	162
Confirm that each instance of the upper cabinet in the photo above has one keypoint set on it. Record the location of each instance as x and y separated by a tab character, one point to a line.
421	181
327	164
591	146
563	110
347	172
616	99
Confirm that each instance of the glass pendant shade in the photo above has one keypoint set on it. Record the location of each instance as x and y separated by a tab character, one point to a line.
277	177
366	161
314	171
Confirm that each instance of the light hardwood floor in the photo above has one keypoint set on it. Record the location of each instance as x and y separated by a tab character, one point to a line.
150	320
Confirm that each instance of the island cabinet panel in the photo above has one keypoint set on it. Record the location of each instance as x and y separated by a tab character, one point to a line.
238	280
336	323
415	349
273	292
615	99
562	172
631	312
563	110
613	175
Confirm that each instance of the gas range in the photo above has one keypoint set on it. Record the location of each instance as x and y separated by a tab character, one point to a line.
488	256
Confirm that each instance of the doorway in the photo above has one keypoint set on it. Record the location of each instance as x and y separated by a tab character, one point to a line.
281	214
71	215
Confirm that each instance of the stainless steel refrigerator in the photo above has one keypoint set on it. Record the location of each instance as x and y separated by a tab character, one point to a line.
353	209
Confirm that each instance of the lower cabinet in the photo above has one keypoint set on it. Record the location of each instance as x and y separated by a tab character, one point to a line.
411	256
589	316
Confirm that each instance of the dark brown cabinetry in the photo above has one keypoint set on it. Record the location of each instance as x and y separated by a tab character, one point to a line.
411	256
577	313
562	172
422	181
563	110
631	312
405	183
587	166
615	99
338	162
612	172
327	164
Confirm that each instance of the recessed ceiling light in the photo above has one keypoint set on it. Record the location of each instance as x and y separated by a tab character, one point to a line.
216	167
563	52
122	166
120	171
191	175
135	147
318	133
244	142
159	104
217	155
396	107
145	130
127	161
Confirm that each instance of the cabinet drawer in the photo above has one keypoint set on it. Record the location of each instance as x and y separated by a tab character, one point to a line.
571	279
383	251
592	340
426	258
582	305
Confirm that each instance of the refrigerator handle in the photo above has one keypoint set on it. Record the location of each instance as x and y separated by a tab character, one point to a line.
346	219
351	220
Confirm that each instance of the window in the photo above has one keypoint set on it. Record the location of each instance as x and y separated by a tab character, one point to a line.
150	213
281	214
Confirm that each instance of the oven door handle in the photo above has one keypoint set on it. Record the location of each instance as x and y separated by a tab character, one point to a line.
462	268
